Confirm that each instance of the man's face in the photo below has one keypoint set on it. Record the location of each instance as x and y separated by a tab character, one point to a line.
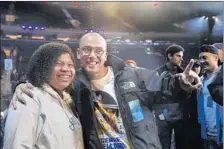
177	58
208	60
93	54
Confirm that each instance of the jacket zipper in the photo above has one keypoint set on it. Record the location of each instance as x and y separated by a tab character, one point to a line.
91	98
122	108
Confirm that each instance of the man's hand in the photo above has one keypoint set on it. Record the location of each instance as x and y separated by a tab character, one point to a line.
188	77
21	88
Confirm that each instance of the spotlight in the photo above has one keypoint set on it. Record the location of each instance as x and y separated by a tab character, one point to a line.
91	30
42	28
86	30
30	27
23	26
36	28
213	17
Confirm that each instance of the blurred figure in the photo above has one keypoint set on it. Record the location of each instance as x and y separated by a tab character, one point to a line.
14	78
22	77
20	65
5	84
3	57
13	56
47	120
210	114
197	67
219	46
131	63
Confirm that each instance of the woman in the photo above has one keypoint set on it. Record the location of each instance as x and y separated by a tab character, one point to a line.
46	122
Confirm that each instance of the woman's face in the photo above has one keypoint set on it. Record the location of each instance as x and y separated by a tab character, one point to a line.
63	73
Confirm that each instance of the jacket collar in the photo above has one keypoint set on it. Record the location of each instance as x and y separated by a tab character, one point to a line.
47	88
173	67
113	61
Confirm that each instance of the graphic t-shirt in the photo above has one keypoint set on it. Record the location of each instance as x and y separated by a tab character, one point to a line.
110	126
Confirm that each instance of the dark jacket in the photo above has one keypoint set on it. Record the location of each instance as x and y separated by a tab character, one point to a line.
216	87
175	107
141	134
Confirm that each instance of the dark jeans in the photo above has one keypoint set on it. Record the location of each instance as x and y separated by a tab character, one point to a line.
192	134
165	132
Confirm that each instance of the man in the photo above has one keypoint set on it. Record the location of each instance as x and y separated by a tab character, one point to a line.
114	101
210	114
170	115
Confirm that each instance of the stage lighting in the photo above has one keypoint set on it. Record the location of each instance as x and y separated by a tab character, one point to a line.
91	31
23	26
36	28
30	27
42	28
86	30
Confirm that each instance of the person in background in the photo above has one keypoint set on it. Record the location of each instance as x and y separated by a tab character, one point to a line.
131	63
20	64
210	114
47	121
13	56
197	67
216	86
219	46
2	66
14	78
22	77
170	115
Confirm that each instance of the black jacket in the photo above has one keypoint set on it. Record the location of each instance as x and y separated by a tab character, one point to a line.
175	107
216	87
142	134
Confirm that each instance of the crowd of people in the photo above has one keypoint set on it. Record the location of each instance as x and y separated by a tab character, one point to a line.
113	104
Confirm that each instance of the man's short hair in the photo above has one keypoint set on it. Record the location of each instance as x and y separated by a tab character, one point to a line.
173	49
93	35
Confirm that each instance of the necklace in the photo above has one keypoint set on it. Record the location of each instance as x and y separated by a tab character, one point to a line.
74	122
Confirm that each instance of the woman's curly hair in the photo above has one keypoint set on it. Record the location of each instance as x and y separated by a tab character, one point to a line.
43	60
